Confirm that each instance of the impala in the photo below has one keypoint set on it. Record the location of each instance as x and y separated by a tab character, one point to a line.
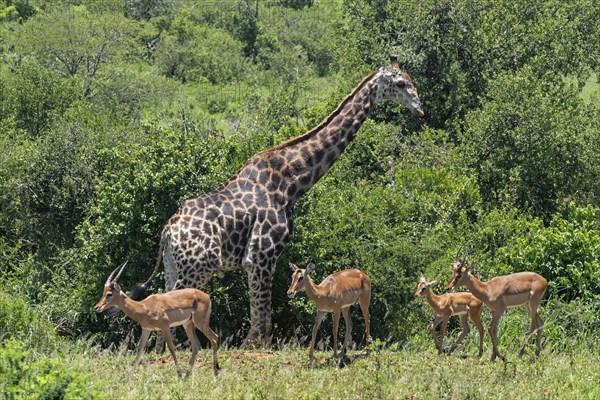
446	305
519	289
336	294
159	312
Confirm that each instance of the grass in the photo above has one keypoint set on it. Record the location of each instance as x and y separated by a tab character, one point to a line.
391	373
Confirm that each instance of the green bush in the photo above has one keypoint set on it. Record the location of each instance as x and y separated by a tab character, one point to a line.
567	253
24	375
19	321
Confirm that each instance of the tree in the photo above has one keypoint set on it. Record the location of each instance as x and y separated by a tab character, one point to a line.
532	144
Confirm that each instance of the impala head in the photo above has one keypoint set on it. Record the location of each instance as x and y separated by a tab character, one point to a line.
299	278
397	86
423	286
112	289
460	274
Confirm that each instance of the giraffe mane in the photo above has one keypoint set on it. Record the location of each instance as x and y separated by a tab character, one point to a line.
325	121
311	132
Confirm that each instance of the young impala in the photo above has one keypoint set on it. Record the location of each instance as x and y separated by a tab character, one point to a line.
447	305
336	294
519	289
160	312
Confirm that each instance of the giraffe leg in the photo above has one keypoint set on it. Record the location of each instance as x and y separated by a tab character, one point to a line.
260	283
204	268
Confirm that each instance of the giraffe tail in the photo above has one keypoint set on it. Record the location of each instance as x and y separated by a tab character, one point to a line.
139	290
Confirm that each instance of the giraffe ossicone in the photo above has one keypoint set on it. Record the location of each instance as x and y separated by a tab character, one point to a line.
247	222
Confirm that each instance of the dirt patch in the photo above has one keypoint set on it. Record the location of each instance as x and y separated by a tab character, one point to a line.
259	355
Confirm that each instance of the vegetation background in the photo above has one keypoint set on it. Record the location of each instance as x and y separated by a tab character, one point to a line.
114	111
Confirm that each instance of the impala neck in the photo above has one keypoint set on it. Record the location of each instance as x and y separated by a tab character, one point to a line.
477	287
313	290
133	309
432	298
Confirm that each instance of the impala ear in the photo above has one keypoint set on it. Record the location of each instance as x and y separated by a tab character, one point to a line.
432	283
470	268
309	268
293	266
422	279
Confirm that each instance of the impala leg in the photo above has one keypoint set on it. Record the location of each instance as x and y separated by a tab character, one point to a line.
169	339
465	332
336	325
201	320
348	335
189	331
476	318
493	331
318	320
538	339
141	346
434	325
364	301
442	333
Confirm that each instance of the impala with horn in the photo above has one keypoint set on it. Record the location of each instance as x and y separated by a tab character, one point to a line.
335	294
160	312
519	289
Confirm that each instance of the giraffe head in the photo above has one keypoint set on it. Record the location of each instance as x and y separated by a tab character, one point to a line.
396	85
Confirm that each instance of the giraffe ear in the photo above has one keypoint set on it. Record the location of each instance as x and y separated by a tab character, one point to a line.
394	60
293	266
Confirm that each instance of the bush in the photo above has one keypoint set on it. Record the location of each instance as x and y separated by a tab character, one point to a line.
19	321
567	253
23	375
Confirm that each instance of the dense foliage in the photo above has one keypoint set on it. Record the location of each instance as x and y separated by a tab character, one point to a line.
121	109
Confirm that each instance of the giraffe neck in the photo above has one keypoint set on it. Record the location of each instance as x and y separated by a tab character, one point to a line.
293	167
312	155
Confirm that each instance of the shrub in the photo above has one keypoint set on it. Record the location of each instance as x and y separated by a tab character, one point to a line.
19	321
567	253
22	375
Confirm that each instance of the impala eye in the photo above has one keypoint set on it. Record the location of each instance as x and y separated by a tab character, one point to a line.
109	294
300	278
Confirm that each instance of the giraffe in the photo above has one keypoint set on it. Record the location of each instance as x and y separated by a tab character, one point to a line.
247	222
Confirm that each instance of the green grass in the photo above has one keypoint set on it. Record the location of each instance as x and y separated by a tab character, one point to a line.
387	374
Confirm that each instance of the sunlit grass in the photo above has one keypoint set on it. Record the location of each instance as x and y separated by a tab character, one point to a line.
391	373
